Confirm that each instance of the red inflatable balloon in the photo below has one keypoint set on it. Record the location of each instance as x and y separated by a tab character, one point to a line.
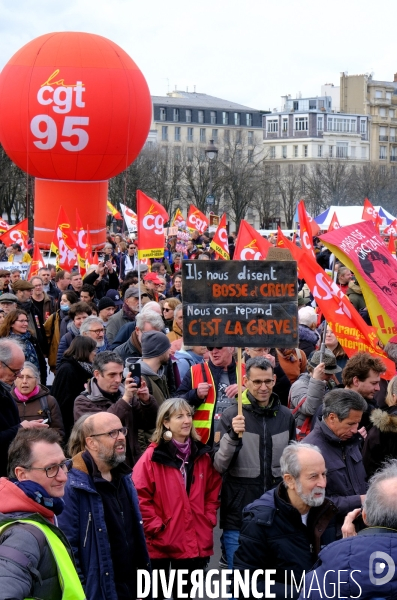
74	107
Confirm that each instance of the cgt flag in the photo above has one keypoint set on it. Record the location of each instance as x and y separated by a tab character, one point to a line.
178	218
18	234
37	262
391	229
64	242
81	234
112	210
250	245
363	251
371	214
307	226
352	332
151	219
196	220
220	242
130	218
334	223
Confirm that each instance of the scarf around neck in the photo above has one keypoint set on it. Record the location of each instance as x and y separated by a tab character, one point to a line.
23	397
73	329
36	492
183	451
128	313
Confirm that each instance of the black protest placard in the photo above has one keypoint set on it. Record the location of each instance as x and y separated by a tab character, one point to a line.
240	303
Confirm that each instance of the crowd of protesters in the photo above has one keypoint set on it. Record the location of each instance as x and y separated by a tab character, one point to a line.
152	457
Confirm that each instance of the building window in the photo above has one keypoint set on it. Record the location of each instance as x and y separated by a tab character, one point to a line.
188	115
393	172
285	125
149	145
177	157
383	134
164	152
320	123
226	135
272	125
352	152
176	114
382	152
341	149
277	170
296	151
388	96
330	151
382	112
238	136
202	134
284	151
342	125
363	126
378	93
319	151
272	151
303	170
225	118
248	120
213	117
250	138
237	119
364	152
215	135
301	124
226	155
239	155
163	114
201	116
391	113
382	170
164	133
177	136
305	151
290	169
393	134
189	153
190	134
250	156
312	104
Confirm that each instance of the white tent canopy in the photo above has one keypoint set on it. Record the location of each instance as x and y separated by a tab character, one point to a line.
348	215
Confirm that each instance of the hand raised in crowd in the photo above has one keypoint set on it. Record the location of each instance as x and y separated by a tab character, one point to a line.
319	372
348	528
109	266
143	392
271	359
363	432
131	389
203	389
36	424
238	424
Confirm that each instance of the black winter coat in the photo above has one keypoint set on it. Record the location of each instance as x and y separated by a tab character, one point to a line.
9	425
381	442
273	536
251	465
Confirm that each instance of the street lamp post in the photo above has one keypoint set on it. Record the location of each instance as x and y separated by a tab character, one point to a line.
211	153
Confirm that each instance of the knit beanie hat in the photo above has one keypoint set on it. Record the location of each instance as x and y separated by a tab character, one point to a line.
154	344
105	302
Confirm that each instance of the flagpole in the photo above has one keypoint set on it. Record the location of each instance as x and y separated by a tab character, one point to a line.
322	347
239	387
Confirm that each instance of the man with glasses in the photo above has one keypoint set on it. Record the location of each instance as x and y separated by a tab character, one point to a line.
45	304
133	404
250	465
129	261
36	559
102	519
93	327
12	360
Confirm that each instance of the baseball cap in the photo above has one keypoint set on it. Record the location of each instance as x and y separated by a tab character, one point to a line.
115	296
152	277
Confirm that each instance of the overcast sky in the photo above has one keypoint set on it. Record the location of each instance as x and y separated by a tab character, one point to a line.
250	52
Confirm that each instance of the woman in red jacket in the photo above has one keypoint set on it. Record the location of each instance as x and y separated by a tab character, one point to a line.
178	491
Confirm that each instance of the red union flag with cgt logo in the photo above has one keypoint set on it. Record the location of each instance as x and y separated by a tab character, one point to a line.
250	245
196	220
391	229
64	242
307	228
18	234
37	262
334	223
151	219
81	244
219	242
371	214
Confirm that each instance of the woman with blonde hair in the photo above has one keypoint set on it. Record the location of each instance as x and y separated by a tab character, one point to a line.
381	442
178	491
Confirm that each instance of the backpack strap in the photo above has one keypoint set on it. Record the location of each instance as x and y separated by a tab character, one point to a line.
45	408
19	557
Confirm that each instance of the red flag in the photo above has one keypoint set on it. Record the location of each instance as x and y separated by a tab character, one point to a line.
352	332
220	242
196	220
111	210
151	219
371	214
81	244
37	262
89	259
392	246
17	234
280	241
4	226
391	229
305	229
334	223
250	245
64	242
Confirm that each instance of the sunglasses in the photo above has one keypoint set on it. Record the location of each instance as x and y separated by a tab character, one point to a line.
211	348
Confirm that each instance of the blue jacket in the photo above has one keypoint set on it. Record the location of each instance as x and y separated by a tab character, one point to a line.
351	558
83	523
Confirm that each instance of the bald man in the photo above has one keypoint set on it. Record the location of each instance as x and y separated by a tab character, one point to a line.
100	500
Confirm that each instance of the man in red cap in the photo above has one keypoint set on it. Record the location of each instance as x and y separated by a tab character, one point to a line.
150	281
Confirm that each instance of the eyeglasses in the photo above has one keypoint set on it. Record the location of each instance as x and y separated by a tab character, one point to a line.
21	321
97	331
53	470
211	348
114	434
132	248
259	382
167	309
27	377
16	372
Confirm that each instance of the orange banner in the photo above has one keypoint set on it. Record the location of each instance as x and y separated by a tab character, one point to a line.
17	234
352	332
196	220
250	245
151	219
220	242
64	242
